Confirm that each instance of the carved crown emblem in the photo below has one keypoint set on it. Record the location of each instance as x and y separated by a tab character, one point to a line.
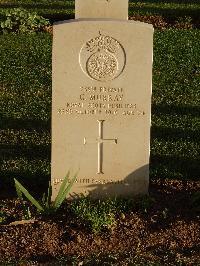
102	43
102	58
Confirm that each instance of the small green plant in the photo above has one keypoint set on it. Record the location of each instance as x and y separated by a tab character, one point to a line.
45	206
98	214
3	217
145	203
19	20
165	213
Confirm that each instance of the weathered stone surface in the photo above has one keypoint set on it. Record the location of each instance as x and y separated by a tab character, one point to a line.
101	105
115	9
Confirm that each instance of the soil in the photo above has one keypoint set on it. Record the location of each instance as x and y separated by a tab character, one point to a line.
168	233
158	22
161	23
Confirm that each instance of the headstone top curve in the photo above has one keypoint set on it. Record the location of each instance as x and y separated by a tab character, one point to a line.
93	20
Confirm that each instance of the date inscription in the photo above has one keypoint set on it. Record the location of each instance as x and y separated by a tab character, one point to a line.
101	101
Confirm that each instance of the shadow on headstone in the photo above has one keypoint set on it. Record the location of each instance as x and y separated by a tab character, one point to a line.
126	187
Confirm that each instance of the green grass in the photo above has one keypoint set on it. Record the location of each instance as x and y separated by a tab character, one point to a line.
25	102
98	215
100	259
65	9
169	8
25	108
175	145
101	215
49	9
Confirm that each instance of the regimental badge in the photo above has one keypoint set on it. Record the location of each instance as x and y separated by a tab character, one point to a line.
102	58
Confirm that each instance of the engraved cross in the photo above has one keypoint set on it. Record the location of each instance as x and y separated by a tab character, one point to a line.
100	141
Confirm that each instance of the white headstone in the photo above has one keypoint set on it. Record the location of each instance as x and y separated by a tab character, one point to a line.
112	9
101	103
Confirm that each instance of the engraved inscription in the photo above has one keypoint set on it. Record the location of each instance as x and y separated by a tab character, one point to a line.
99	100
108	101
100	141
102	58
114	180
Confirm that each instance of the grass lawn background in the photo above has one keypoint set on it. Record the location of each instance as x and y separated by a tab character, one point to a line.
55	9
168	230
25	108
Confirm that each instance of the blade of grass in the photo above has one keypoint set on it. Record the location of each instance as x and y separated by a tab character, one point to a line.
60	197
26	211
28	195
62	188
49	194
64	183
19	193
43	199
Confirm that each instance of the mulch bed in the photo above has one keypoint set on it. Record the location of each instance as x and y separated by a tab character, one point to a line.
158	22
168	233
161	23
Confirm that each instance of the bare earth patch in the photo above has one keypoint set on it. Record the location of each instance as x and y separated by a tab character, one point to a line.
168	233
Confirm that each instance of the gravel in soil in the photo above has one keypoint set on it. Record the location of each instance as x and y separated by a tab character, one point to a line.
168	233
